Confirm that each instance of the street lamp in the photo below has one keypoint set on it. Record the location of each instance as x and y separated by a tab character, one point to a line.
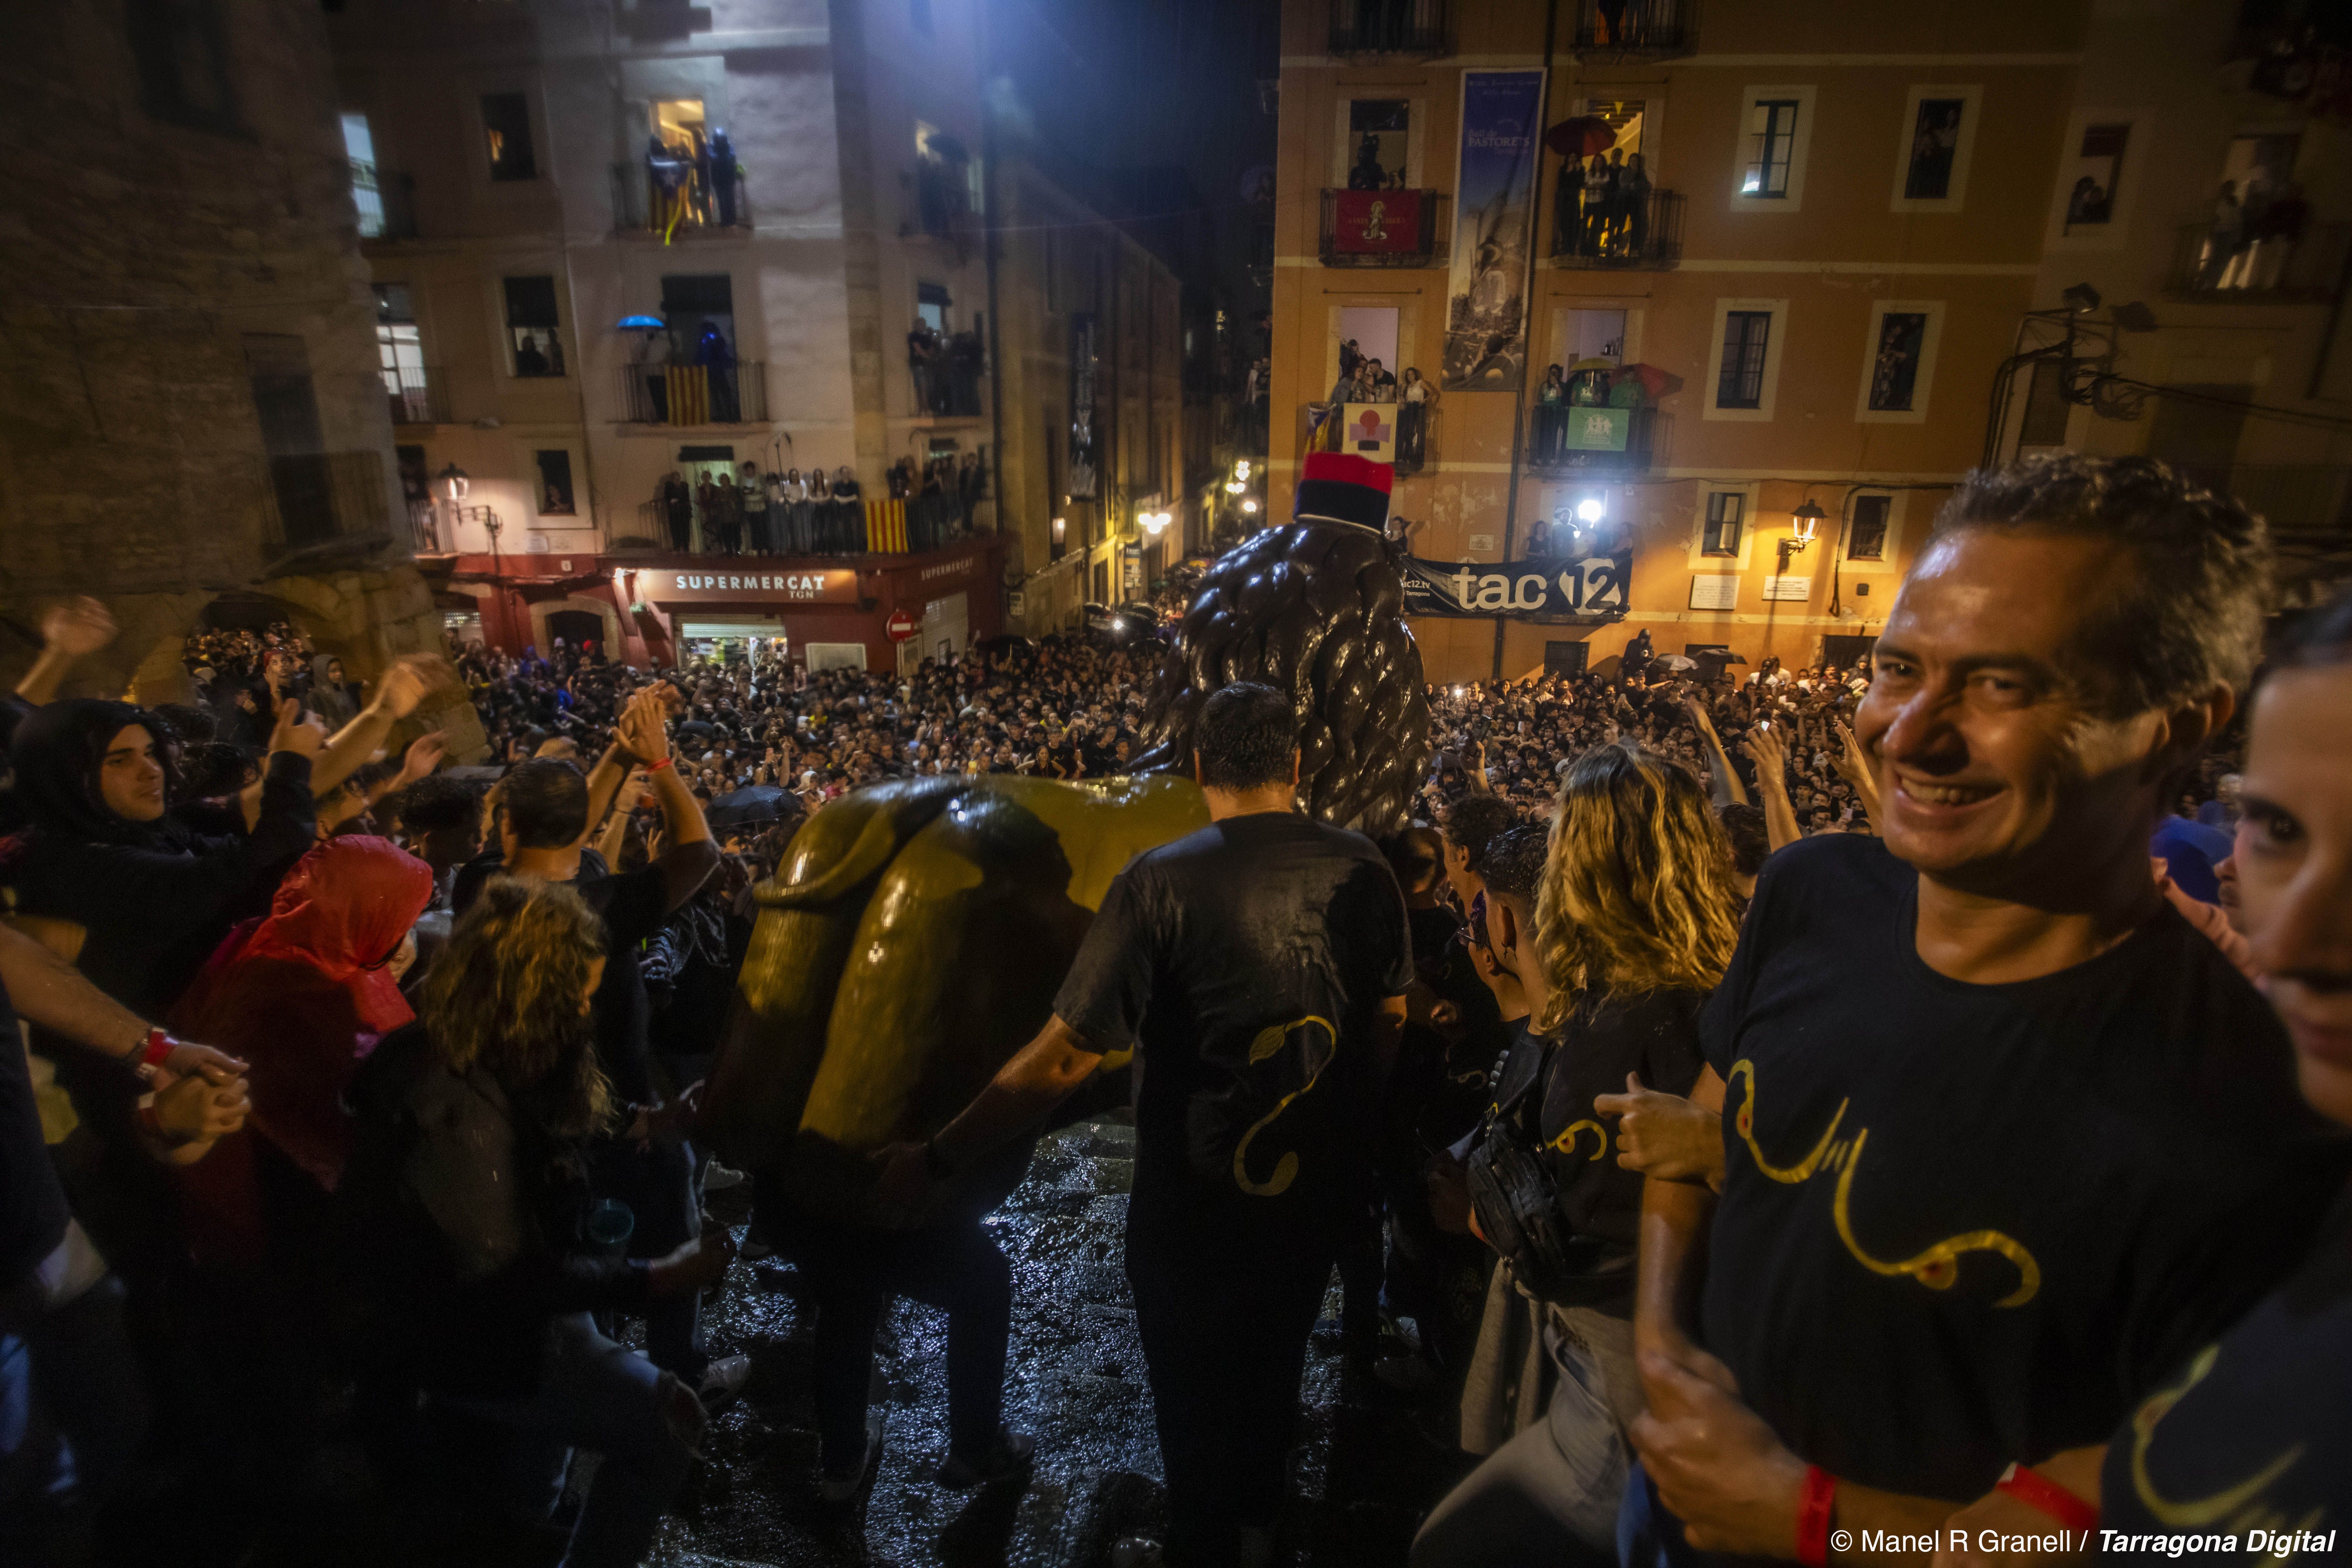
1153	523
1250	507
452	483
1807	518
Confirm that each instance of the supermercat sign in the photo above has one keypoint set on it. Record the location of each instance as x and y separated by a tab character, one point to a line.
823	587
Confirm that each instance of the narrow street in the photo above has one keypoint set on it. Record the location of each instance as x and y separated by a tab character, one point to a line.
1363	1472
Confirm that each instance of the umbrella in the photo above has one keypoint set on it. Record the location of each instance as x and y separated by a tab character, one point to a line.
1653	378
1581	366
1679	661
640	324
1582	136
745	808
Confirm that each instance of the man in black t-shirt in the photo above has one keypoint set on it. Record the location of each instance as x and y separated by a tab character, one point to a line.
1257	968
2004	1138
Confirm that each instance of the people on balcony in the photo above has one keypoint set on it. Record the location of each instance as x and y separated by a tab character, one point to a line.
1633	201
716	356
1567	207
1550	417
677	510
1414	398
724	174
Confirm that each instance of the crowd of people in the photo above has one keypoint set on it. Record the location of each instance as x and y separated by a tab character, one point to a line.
1790	1113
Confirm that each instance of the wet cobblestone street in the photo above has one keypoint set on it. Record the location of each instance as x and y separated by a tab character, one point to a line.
1367	1466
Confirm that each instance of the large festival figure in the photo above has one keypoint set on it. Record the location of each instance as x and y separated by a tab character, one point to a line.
917	930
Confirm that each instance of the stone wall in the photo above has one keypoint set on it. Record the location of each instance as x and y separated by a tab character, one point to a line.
175	211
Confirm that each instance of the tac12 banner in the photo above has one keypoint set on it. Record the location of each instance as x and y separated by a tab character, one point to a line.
1494	217
1082	406
1588	591
1375	223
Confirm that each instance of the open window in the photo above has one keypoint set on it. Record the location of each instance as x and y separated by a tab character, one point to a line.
400	352
532	338
1899	370
506	133
1865	536
1726	513
947	179
1377	147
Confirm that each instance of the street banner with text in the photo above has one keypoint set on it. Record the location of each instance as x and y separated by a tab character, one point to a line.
1590	592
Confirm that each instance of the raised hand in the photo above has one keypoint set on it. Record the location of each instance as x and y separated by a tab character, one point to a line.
79	626
296	732
425	756
400	689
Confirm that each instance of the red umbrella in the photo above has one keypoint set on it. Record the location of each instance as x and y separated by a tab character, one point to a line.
1653	379
1582	137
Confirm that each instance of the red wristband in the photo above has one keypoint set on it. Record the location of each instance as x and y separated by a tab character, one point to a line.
653	768
1815	1505
158	1049
2039	1493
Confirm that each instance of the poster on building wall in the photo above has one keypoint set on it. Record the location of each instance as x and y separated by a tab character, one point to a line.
1590	592
1083	471
1494	185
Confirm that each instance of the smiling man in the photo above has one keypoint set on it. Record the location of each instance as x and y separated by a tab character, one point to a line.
2004	1137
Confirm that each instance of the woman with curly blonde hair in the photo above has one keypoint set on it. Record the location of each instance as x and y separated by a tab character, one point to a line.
467	1192
1613	929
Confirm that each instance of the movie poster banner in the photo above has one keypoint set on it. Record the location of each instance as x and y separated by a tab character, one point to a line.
1082	469
1590	592
1495	188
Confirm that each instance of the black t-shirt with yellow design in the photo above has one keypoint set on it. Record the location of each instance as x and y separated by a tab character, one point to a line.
1245	962
1963	1224
2252	1439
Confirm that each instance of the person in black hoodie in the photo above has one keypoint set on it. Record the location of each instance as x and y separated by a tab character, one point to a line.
467	1203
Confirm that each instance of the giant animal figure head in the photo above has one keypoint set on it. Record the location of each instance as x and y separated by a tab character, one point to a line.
1314	608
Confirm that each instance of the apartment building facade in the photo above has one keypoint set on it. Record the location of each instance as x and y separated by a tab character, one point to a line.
612	244
1097	433
2201	316
1777	344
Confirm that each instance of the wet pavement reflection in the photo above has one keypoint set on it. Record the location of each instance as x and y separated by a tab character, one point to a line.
1367	1466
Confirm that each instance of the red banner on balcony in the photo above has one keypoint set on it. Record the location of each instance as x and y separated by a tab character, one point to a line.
1371	223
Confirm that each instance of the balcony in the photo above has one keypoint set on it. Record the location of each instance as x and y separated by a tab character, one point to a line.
1575	438
1630	29
387	200
690	211
1382	228
1648	240
691	394
1421	28
418	394
2309	267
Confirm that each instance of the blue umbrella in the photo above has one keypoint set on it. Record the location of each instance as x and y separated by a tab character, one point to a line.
641	323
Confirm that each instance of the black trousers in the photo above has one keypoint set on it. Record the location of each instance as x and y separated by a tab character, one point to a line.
657	1184
854	1273
1224	1302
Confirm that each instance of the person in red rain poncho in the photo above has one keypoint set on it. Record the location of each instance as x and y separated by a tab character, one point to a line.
304	992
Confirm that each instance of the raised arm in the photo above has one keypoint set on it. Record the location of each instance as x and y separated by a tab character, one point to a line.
1763	746
68	632
1041	1075
1723	779
397	694
688	856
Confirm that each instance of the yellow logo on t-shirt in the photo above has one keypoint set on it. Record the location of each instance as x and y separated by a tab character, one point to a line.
1937	1267
1269	1043
2241	1506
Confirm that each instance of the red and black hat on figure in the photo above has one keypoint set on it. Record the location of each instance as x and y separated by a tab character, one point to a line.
1340	487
